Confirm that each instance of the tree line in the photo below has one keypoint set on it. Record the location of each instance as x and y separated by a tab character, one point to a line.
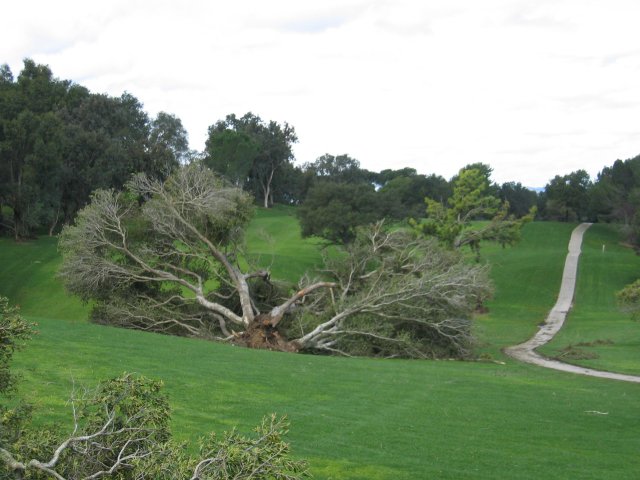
59	142
613	196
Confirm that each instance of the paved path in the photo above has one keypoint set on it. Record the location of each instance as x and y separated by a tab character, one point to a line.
526	351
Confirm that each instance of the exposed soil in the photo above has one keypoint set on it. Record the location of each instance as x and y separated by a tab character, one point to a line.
526	351
260	334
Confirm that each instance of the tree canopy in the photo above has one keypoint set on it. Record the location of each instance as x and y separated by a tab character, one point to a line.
334	211
567	197
339	196
521	199
615	197
59	142
250	152
473	199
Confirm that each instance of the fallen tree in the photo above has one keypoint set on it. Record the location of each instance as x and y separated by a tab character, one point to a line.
166	256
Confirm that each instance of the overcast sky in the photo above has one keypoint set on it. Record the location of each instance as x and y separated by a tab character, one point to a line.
534	88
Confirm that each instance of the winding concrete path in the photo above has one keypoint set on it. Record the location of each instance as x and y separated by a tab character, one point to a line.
526	351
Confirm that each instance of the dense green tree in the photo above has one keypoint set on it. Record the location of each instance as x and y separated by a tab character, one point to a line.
567	197
521	199
232	153
389	174
333	211
58	142
275	151
615	197
339	169
168	143
26	126
472	199
250	152
402	196
291	186
341	195
106	141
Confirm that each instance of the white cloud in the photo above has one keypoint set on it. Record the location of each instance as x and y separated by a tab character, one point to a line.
532	88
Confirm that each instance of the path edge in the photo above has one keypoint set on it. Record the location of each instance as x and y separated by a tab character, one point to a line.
526	351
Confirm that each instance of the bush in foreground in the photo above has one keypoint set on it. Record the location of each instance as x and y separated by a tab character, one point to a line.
121	430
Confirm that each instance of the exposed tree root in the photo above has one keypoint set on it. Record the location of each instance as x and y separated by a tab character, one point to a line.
261	334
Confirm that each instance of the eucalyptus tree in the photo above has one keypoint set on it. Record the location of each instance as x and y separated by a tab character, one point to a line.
251	152
166	256
26	122
168	142
58	142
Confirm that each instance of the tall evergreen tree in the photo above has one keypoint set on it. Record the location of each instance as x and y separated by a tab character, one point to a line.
250	152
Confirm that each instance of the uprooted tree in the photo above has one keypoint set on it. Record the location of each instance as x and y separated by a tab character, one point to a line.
166	256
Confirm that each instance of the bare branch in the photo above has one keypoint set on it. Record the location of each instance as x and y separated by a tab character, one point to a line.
278	312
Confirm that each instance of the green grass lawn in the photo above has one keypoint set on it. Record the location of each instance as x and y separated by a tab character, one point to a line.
28	278
354	418
274	242
527	279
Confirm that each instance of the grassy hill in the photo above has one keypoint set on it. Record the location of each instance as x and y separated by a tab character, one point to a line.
357	418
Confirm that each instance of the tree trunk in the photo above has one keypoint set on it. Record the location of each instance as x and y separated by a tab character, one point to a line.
266	188
16	224
54	224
